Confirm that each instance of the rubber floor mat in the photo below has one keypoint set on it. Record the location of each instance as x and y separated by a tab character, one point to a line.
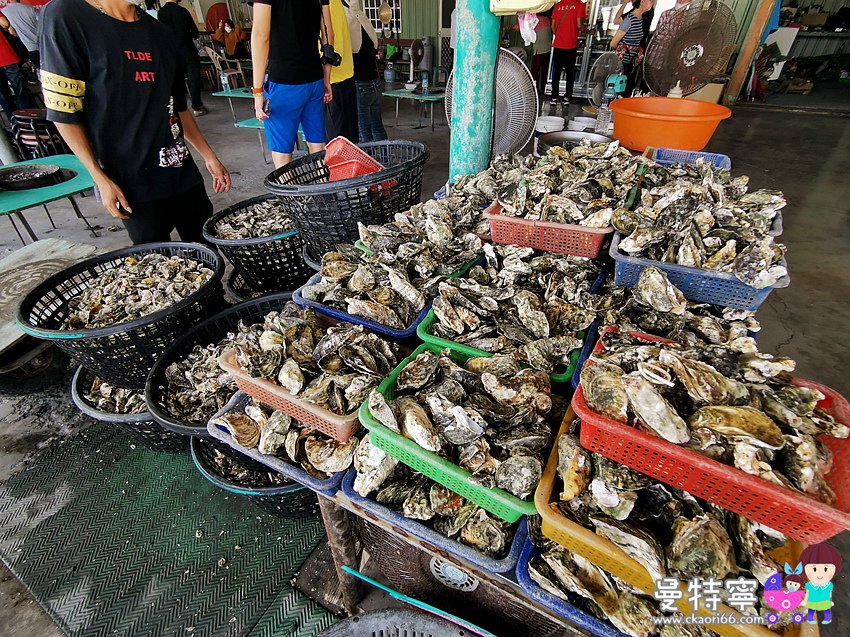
115	540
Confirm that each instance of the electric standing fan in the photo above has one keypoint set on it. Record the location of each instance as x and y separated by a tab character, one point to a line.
608	69
417	53
516	104
691	45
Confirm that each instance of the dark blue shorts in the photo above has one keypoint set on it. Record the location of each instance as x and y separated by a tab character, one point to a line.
291	105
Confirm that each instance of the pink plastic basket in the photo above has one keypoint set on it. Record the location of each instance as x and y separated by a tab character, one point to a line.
339	427
339	150
789	512
562	238
349	169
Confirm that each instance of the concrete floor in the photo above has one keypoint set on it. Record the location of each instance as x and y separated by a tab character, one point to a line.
806	156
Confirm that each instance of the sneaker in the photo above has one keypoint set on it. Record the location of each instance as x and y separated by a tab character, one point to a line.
201	111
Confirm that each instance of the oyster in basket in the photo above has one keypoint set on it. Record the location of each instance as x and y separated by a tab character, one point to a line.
115	400
259	219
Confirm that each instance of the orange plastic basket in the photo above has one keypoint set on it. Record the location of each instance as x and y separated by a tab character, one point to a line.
562	238
340	150
789	512
338	427
610	557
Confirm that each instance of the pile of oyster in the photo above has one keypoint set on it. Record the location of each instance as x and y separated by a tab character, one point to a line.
656	306
698	216
273	433
333	367
106	397
488	416
195	386
261	219
136	288
586	186
230	468
741	409
521	302
668	531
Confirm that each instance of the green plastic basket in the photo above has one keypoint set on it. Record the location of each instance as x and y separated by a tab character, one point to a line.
497	501
423	331
465	268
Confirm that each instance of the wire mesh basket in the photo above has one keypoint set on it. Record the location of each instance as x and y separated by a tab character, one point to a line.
210	331
124	353
290	500
453	586
327	213
140	428
266	264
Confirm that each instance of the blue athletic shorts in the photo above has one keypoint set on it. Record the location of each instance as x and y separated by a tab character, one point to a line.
291	105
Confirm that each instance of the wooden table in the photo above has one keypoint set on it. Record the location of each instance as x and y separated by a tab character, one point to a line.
433	97
14	202
20	272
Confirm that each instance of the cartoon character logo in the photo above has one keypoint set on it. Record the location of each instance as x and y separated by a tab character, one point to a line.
785	594
820	563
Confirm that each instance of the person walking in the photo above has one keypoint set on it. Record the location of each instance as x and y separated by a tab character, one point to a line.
341	111
542	51
112	79
567	22
231	35
284	38
185	33
12	76
627	42
22	21
364	46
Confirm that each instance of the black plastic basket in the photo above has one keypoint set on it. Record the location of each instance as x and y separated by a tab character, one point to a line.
120	354
210	331
290	500
236	288
267	264
140	428
327	213
310	260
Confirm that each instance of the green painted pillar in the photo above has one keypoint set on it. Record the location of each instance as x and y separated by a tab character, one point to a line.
477	42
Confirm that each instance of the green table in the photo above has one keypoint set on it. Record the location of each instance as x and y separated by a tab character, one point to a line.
234	93
14	202
403	94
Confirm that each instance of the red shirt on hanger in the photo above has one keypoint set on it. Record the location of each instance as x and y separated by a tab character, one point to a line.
565	19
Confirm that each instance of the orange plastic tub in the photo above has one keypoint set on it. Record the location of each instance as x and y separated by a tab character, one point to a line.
664	122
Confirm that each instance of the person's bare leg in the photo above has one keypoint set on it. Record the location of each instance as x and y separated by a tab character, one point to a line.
315	148
281	159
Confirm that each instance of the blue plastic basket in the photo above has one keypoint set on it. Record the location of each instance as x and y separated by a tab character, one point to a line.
327	487
356	320
558	606
422	532
697	284
671	156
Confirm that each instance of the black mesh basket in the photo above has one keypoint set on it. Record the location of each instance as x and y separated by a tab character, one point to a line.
139	428
395	622
210	331
453	587
120	354
236	288
327	212
315	263
267	264
290	500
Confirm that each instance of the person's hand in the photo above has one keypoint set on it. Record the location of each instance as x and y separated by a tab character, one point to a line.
259	101
220	23
221	178
111	196
328	93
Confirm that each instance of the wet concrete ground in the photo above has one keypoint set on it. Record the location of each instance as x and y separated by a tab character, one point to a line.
807	156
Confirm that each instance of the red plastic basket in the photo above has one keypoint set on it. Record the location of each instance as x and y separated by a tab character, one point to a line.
339	150
349	169
791	513
338	427
562	238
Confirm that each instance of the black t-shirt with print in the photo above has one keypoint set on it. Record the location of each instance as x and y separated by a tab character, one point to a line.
123	81
294	40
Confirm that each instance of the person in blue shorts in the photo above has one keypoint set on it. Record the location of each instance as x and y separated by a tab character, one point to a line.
285	38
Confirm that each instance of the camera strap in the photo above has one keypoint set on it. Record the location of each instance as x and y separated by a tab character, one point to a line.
324	26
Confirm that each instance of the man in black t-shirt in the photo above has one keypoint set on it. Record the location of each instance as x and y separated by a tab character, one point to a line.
285	38
113	83
185	33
